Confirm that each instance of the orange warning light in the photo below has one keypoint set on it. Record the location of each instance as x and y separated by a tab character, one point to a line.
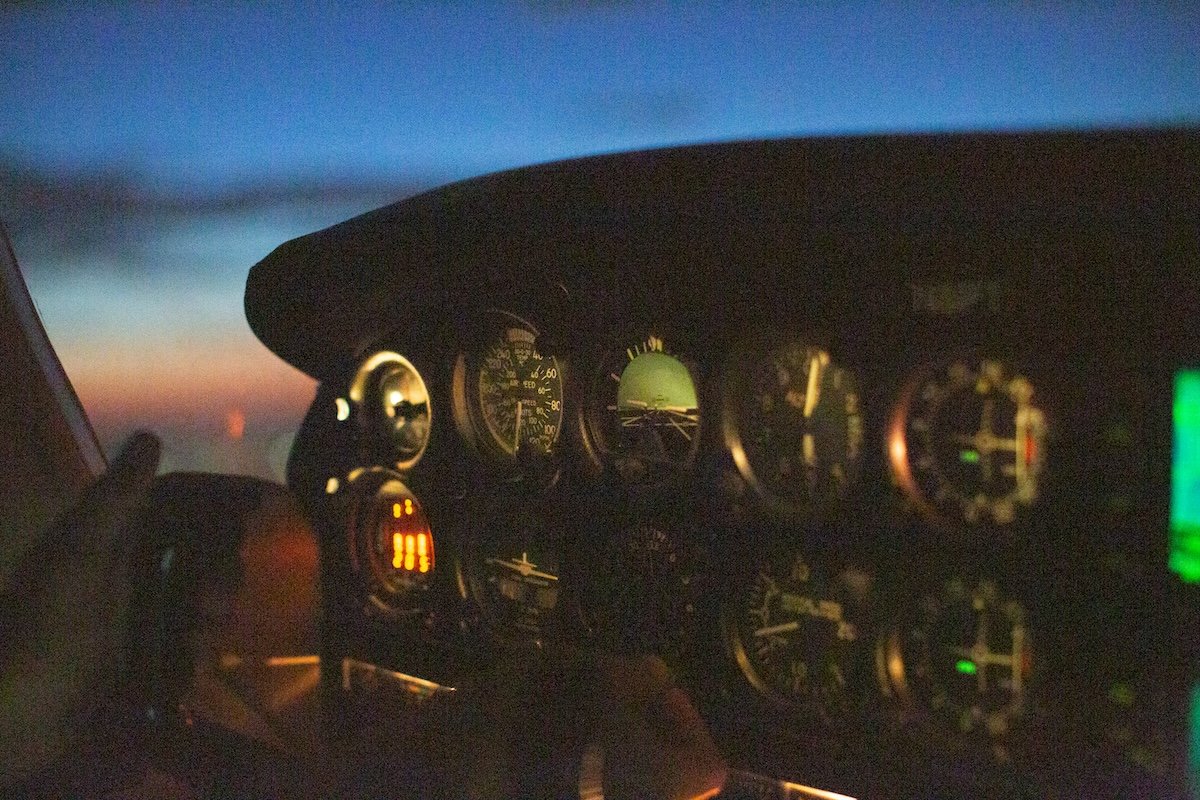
398	550
411	541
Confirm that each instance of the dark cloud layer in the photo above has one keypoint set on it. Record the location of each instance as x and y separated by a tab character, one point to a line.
59	218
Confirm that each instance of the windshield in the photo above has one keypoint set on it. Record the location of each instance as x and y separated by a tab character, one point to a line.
149	154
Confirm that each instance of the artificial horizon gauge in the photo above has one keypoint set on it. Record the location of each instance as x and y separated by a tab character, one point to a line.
644	413
804	638
508	394
393	545
793	424
395	404
962	659
968	442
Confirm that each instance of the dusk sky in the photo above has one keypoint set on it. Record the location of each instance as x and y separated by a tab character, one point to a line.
150	154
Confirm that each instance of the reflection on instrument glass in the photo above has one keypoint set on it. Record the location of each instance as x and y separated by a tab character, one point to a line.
396	406
799	636
394	545
968	442
963	659
793	425
513	575
645	415
512	393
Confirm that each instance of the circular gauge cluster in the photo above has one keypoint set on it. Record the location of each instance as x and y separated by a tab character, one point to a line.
395	407
793	424
644	412
508	395
804	637
968	442
512	572
957	659
393	545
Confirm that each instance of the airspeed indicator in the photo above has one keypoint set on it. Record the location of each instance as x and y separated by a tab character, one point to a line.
520	393
508	394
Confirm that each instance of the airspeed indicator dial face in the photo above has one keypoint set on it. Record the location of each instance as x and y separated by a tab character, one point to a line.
520	393
508	394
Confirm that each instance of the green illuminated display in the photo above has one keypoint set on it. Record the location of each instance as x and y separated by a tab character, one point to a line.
657	382
966	667
1185	478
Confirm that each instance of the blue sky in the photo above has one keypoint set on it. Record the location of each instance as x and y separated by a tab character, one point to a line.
228	93
151	152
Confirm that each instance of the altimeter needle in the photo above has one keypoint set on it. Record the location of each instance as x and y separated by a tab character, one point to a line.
813	393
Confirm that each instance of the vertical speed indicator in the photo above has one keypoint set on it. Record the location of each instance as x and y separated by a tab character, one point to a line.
802	635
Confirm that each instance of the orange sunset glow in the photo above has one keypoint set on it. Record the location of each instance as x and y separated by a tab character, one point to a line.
193	381
224	404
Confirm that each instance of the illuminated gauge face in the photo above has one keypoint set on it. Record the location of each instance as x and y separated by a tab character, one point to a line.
510	394
968	442
794	427
963	660
800	638
404	404
396	406
395	547
645	414
514	577
521	393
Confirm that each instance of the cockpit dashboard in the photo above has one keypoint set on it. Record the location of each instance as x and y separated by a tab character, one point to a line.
874	440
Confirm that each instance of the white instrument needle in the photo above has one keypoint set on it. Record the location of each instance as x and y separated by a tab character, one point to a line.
517	428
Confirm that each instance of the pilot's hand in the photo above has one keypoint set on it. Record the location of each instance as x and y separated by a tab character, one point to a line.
63	617
522	732
654	743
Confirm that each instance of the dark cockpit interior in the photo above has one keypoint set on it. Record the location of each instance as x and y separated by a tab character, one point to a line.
886	446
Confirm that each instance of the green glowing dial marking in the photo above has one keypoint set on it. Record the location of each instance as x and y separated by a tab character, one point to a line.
966	667
1185	478
969	456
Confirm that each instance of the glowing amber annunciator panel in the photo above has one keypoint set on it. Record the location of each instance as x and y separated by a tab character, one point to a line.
410	537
